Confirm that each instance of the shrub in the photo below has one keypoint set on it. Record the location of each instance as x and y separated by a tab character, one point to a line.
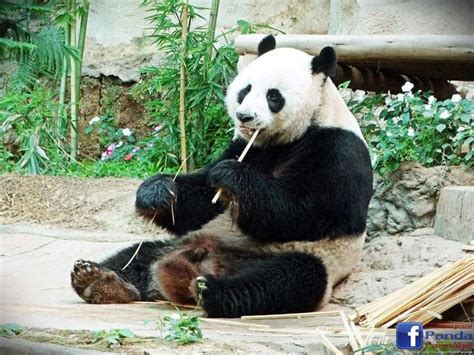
415	127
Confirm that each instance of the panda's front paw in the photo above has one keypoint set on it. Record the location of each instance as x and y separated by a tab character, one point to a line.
155	194
228	174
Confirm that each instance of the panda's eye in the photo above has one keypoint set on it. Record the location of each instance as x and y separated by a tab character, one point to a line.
273	95
275	100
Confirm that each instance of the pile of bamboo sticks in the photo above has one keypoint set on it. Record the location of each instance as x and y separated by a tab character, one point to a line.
424	299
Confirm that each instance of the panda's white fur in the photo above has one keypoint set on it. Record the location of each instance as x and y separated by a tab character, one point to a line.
309	98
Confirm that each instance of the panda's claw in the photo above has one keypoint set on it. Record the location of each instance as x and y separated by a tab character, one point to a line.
201	283
97	284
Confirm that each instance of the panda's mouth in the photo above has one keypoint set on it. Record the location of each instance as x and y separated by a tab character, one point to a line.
248	131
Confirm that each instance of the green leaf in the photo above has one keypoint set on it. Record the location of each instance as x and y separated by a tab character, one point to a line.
112	339
440	127
126	333
11	329
244	26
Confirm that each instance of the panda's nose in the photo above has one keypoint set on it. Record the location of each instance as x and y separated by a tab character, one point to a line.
244	117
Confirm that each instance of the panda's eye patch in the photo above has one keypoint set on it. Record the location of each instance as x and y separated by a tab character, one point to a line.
243	92
275	100
273	94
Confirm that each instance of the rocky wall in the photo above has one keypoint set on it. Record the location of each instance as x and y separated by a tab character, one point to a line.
406	200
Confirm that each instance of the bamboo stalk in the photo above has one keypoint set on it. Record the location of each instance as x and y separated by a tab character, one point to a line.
74	96
212	23
182	87
242	156
62	117
82	40
207	63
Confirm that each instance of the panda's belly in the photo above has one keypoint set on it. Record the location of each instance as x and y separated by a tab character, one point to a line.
222	225
338	255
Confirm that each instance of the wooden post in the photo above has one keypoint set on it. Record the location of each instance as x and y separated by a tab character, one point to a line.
182	87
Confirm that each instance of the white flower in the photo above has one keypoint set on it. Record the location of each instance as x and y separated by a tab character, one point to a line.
456	98
175	316
400	97
427	107
119	144
388	100
359	95
444	114
396	119
126	132
407	87
411	132
94	120
431	99
460	129
389	134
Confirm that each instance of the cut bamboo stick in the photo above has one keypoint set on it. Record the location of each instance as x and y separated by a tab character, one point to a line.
293	315
468	247
182	87
242	156
233	323
424	299
352	340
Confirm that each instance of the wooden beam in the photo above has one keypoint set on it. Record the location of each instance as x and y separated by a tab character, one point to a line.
438	48
428	56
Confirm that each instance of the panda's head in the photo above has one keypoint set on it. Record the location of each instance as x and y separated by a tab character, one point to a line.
279	92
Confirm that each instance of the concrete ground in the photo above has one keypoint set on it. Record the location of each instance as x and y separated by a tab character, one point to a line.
35	292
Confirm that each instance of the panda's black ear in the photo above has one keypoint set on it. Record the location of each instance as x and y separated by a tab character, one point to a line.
266	45
325	62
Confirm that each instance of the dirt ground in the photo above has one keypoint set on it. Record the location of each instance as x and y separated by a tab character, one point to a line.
79	203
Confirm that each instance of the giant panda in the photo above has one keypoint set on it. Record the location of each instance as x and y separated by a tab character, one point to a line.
291	221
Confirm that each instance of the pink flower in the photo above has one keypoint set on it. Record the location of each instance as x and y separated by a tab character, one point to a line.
128	157
108	152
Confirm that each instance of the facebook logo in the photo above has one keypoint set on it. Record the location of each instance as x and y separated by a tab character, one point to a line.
409	336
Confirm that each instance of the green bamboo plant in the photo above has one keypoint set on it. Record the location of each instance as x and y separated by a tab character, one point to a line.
73	16
208	69
41	53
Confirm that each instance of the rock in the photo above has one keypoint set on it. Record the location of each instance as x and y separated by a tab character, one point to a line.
406	199
455	213
389	263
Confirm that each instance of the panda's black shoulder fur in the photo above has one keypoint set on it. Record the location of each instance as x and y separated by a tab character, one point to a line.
315	187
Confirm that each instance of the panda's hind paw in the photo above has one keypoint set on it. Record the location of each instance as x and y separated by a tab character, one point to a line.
208	294
84	274
97	284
